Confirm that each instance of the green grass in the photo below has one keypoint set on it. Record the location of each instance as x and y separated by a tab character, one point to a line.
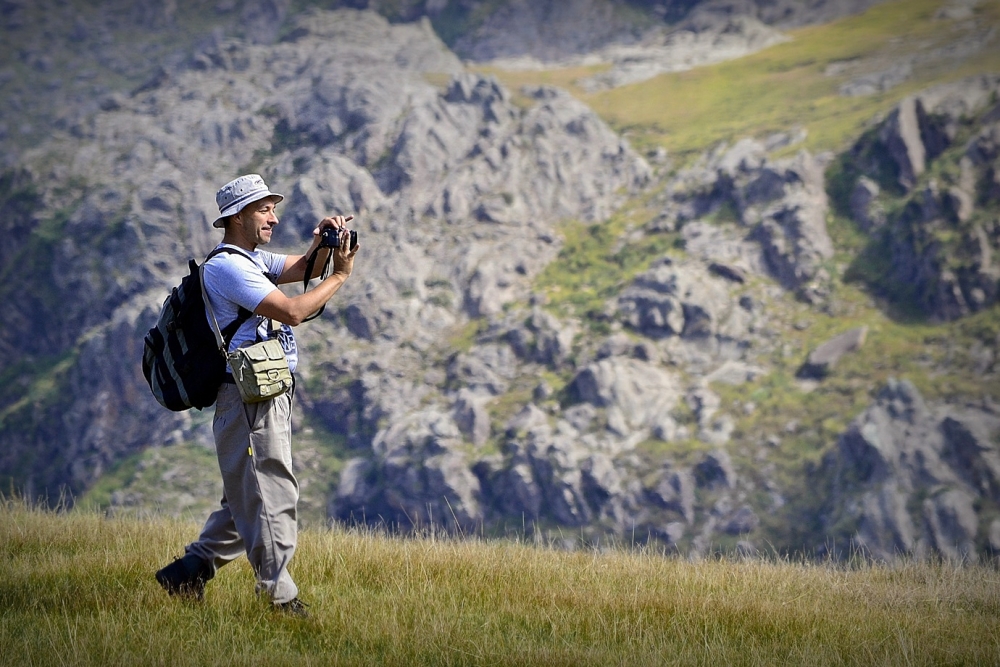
78	589
597	261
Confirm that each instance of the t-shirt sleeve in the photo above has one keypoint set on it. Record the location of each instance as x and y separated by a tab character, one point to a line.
275	263
239	281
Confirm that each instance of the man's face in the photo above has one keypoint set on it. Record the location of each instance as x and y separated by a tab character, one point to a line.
258	220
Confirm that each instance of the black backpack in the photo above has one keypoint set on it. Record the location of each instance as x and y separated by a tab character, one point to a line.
181	358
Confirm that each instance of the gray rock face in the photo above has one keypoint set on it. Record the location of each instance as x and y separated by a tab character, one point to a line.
952	280
487	162
543	339
472	417
716	469
701	40
792	227
485	368
900	450
674	490
865	206
744	521
728	253
952	525
515	169
339	115
635	394
782	202
940	242
419	481
922	126
673	300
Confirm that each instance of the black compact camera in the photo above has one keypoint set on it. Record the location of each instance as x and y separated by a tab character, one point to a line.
330	238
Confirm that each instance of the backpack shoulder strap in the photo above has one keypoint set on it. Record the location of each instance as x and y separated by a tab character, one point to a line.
224	336
230	250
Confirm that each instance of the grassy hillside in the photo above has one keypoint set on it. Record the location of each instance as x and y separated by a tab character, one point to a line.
791	85
78	589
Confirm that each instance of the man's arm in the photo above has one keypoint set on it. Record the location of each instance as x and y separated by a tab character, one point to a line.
293	310
294	270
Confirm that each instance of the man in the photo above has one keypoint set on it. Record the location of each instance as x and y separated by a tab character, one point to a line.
253	441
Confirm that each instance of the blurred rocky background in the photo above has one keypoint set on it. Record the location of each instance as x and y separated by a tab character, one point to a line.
771	332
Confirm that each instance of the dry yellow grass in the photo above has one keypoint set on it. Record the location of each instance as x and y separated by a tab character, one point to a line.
78	589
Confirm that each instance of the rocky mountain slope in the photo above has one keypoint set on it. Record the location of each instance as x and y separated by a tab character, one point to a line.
547	330
635	39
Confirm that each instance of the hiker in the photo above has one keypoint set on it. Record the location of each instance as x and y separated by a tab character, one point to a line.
253	440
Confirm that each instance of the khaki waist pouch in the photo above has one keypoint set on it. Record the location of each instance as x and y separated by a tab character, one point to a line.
260	371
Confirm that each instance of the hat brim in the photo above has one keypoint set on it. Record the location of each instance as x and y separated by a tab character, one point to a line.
235	208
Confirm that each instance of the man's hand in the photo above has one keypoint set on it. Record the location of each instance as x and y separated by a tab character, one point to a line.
343	255
338	222
294	310
295	265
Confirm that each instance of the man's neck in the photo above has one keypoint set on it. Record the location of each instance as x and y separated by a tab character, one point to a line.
231	239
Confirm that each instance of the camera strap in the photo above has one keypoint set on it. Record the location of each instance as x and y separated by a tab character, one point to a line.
310	266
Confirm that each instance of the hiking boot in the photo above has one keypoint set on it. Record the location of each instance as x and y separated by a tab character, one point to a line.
294	607
186	577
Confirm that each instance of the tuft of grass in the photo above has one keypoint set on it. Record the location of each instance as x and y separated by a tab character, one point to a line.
78	588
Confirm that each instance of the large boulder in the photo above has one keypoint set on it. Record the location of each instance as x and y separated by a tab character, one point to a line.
782	202
907	477
635	394
788	199
675	300
543	338
418	478
940	238
821	361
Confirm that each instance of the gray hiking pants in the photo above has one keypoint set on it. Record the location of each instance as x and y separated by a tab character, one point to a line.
257	517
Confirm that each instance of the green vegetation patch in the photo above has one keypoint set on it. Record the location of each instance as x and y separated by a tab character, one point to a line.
598	260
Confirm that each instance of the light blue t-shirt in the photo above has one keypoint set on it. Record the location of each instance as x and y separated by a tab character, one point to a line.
234	280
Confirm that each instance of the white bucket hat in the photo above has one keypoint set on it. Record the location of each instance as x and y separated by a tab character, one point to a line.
240	192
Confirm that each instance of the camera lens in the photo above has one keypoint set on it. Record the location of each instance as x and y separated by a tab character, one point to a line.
329	238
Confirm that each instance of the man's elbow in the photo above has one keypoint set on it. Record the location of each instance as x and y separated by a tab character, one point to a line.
295	315
289	316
